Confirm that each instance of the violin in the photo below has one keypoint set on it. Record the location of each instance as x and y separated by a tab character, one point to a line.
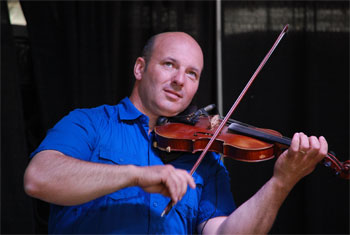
237	140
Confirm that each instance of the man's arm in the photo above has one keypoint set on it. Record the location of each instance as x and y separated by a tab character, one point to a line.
258	213
54	177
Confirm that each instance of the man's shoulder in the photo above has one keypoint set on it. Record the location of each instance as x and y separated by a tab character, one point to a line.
96	116
100	112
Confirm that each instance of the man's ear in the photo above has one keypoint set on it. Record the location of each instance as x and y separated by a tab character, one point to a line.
139	67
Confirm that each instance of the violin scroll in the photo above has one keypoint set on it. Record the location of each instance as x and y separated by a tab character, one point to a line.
341	169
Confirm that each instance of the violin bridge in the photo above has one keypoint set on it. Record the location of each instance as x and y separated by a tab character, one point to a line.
214	121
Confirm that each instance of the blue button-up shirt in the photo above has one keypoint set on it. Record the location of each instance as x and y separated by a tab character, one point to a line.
119	135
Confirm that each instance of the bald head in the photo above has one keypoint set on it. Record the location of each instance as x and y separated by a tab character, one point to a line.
162	37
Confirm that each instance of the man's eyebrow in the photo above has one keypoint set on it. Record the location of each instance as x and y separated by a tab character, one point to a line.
195	69
170	58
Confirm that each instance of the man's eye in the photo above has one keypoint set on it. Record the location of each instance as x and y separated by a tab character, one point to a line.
168	64
193	74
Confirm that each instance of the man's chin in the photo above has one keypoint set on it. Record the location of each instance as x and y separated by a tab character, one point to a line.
170	114
167	112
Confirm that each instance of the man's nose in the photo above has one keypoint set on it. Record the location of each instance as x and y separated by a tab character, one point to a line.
179	78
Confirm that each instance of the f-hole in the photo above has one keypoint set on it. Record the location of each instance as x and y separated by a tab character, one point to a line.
203	133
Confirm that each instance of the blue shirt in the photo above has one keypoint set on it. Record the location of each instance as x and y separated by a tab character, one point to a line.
119	135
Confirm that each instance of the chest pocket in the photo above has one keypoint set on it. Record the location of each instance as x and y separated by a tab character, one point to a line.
117	157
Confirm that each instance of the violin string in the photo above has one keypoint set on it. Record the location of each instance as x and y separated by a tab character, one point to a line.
331	157
230	121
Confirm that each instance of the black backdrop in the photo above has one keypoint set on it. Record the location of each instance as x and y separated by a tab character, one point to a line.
81	54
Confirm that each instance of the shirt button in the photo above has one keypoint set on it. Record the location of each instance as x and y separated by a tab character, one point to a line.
155	204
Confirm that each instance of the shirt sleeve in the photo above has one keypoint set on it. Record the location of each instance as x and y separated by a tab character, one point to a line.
73	135
216	199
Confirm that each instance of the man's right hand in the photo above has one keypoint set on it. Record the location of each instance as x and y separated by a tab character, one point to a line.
166	180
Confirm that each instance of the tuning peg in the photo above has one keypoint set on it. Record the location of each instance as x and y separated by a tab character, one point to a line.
327	163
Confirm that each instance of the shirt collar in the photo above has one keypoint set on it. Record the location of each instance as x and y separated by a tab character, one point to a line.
128	111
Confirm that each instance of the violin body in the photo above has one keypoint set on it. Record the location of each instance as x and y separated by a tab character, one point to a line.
183	137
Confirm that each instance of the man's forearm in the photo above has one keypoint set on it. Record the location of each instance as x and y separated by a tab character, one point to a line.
256	216
53	177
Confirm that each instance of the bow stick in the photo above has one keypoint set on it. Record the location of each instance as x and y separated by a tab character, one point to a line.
228	115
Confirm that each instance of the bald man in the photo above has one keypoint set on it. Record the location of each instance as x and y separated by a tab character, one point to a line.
99	171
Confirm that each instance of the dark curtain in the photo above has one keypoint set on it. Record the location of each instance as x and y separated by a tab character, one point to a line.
303	87
16	207
81	54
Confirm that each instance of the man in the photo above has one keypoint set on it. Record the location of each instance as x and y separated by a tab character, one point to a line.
98	169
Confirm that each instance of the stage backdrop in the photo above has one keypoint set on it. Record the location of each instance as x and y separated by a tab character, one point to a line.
81	54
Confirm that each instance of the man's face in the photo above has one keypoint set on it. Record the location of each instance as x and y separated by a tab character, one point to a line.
171	78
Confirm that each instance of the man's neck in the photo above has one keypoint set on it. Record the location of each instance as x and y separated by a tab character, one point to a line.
152	118
151	124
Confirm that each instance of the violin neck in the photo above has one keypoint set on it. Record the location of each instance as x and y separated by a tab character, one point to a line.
341	168
254	132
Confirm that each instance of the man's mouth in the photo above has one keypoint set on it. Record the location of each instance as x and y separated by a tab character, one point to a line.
173	94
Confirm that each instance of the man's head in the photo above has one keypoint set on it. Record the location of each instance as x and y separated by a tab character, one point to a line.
167	76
